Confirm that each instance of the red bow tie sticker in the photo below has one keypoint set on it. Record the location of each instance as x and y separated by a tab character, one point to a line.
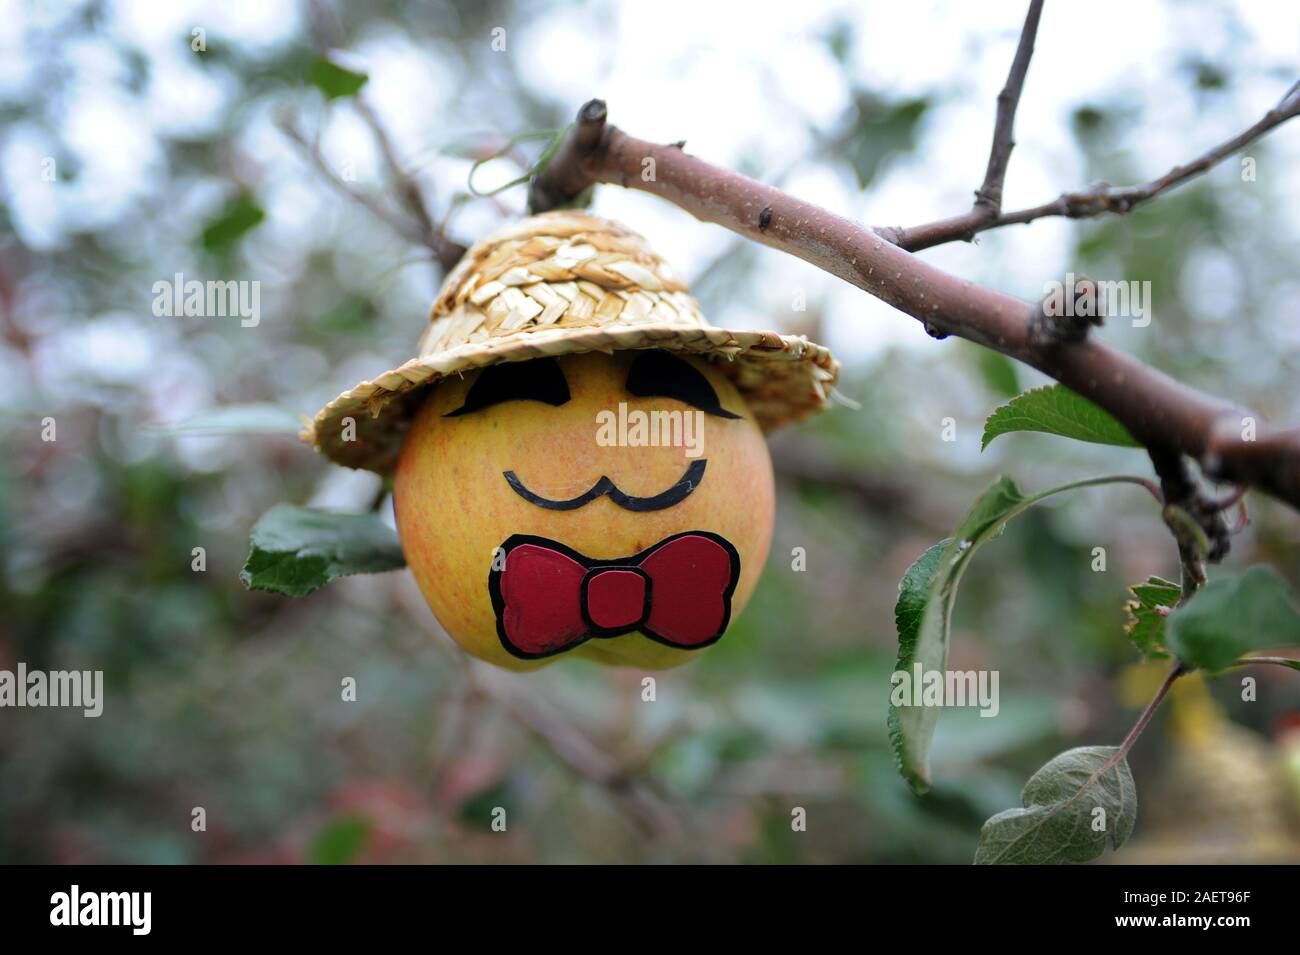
549	598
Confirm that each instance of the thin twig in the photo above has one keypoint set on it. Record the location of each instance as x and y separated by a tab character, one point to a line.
1178	670
1099	199
329	36
988	198
408	189
400	224
990	194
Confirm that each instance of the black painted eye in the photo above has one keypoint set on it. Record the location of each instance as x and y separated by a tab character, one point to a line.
658	374
537	380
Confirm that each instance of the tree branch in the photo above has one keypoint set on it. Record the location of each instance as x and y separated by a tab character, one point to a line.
1196	522
328	36
371	204
1158	411
409	191
1095	200
990	194
1178	669
988	198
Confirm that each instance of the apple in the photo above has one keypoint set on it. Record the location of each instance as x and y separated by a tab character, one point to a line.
616	507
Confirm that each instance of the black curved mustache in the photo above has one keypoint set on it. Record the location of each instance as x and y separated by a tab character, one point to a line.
674	495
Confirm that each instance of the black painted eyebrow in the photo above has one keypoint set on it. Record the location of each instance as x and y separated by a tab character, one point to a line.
539	379
658	374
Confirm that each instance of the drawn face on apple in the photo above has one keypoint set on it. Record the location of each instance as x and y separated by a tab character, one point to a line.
613	507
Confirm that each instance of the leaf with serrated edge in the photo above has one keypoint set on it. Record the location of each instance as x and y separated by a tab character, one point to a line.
911	729
1056	823
924	608
1055	409
1146	622
922	616
1231	616
296	550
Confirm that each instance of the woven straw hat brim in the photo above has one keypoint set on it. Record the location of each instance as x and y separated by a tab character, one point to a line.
565	283
782	378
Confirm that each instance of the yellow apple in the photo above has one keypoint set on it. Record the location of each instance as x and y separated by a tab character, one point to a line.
556	490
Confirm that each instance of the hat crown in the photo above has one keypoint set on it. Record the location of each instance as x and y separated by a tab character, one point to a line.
558	270
557	284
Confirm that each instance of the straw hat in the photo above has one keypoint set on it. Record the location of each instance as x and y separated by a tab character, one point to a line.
564	283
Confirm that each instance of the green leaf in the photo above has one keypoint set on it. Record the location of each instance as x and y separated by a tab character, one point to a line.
238	216
911	729
335	81
340	842
1059	819
923	611
1231	616
296	550
921	616
237	419
1055	409
1152	603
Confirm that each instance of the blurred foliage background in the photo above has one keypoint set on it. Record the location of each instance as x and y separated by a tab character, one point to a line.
171	159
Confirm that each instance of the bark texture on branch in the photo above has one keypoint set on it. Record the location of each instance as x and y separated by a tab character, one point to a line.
1160	412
